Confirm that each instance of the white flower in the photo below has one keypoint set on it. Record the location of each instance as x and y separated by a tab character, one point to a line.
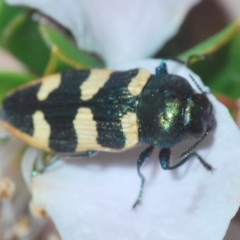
91	198
15	219
232	8
118	31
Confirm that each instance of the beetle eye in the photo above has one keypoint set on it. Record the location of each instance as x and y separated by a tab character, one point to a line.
195	129
202	101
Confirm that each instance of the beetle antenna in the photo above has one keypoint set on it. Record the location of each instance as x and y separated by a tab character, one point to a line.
197	85
194	146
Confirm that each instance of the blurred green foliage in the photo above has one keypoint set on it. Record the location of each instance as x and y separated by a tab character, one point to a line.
217	62
220	68
46	49
9	80
43	49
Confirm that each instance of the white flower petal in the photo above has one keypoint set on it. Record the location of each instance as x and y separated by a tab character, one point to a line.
8	62
91	198
31	157
117	31
7	155
232	8
9	169
14	209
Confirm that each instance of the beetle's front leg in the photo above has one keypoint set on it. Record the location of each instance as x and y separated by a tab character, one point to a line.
142	158
165	154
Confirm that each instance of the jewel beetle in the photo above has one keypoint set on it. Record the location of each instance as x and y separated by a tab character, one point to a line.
84	111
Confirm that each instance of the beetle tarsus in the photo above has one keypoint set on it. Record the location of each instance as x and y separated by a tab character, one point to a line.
58	156
139	199
36	171
206	165
72	155
165	154
142	158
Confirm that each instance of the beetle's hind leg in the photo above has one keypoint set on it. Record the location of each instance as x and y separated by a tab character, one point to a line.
50	160
165	154
72	155
45	166
142	158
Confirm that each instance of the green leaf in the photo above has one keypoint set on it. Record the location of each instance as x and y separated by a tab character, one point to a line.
42	49
64	53
221	69
7	12
22	38
11	80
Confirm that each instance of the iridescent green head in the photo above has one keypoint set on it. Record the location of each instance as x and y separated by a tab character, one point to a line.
170	111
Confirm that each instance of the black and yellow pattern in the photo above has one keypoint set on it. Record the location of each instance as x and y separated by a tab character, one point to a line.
104	110
77	110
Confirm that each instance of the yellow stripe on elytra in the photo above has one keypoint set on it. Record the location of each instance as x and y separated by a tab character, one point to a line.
37	143
86	130
137	83
41	128
48	84
94	82
130	129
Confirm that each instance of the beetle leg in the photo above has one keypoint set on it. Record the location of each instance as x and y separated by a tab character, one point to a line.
58	156
89	153
165	154
37	171
162	68
142	158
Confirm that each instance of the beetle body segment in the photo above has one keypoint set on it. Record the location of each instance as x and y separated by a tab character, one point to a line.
104	110
76	111
168	97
